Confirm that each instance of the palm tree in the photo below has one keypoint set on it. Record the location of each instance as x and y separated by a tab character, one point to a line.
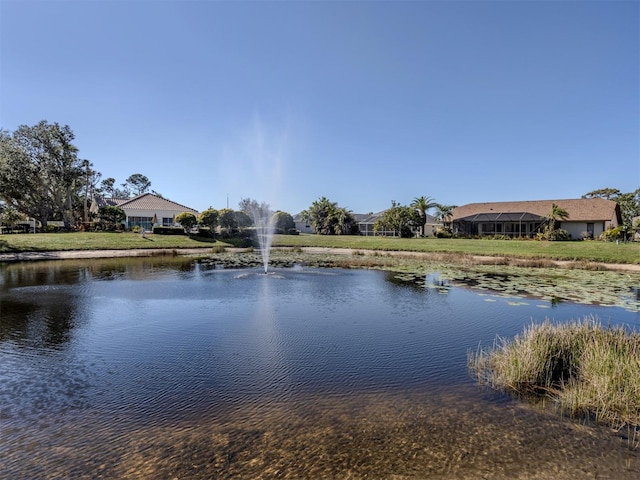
422	204
443	213
556	214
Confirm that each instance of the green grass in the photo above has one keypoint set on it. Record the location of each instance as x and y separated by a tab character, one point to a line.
593	251
589	369
98	241
589	251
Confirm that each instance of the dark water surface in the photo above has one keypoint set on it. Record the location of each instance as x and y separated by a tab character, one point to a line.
158	368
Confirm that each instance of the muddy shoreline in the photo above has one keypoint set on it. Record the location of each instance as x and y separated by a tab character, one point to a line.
443	257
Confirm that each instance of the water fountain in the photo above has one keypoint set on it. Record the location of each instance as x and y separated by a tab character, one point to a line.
264	222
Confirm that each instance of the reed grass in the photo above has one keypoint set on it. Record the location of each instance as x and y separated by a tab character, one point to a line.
590	370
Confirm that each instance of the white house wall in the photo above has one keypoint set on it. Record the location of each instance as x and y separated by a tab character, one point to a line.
576	229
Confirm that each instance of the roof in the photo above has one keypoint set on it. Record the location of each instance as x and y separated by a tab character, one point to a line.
149	201
368	217
108	202
504	217
146	201
579	210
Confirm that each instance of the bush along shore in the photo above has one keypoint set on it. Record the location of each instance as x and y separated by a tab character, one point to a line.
591	371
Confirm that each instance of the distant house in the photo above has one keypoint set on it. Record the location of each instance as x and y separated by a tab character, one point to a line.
145	210
588	217
366	221
301	225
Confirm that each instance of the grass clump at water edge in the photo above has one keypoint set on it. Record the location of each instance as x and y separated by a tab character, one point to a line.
590	370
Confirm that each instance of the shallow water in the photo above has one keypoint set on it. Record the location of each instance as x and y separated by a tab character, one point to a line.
164	368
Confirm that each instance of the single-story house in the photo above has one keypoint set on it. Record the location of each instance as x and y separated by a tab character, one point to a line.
366	221
588	217
301	225
145	210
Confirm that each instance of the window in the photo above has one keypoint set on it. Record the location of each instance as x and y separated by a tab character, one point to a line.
144	222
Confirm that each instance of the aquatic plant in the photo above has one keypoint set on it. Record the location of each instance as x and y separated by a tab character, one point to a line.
588	369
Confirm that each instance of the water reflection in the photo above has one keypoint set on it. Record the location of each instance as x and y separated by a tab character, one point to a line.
162	368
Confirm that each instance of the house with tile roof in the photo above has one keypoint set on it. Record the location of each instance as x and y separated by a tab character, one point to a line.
145	210
588	217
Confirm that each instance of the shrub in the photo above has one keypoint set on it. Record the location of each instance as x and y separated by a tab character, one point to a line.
612	234
111	214
187	220
168	230
205	233
442	233
240	242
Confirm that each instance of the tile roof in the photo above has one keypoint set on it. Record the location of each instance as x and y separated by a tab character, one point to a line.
146	201
579	210
108	202
149	201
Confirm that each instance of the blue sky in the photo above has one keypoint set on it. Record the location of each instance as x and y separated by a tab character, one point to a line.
363	102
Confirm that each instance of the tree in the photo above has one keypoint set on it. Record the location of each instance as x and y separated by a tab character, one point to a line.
40	173
137	183
243	220
444	213
110	214
209	218
10	216
227	219
91	179
283	222
255	210
629	207
399	219
107	187
629	203
422	205
327	218
188	220
556	214
607	193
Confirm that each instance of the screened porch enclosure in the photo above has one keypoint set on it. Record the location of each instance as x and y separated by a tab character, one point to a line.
512	224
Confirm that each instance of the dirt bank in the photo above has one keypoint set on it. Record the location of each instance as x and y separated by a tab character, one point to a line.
446	257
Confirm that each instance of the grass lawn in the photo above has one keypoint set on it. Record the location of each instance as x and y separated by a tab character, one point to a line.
608	252
577	251
26	242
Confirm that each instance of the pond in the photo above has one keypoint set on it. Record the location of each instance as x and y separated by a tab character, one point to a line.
175	368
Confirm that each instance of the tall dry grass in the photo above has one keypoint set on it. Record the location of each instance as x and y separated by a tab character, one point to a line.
587	368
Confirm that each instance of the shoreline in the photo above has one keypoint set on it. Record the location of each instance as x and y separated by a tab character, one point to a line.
154	252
